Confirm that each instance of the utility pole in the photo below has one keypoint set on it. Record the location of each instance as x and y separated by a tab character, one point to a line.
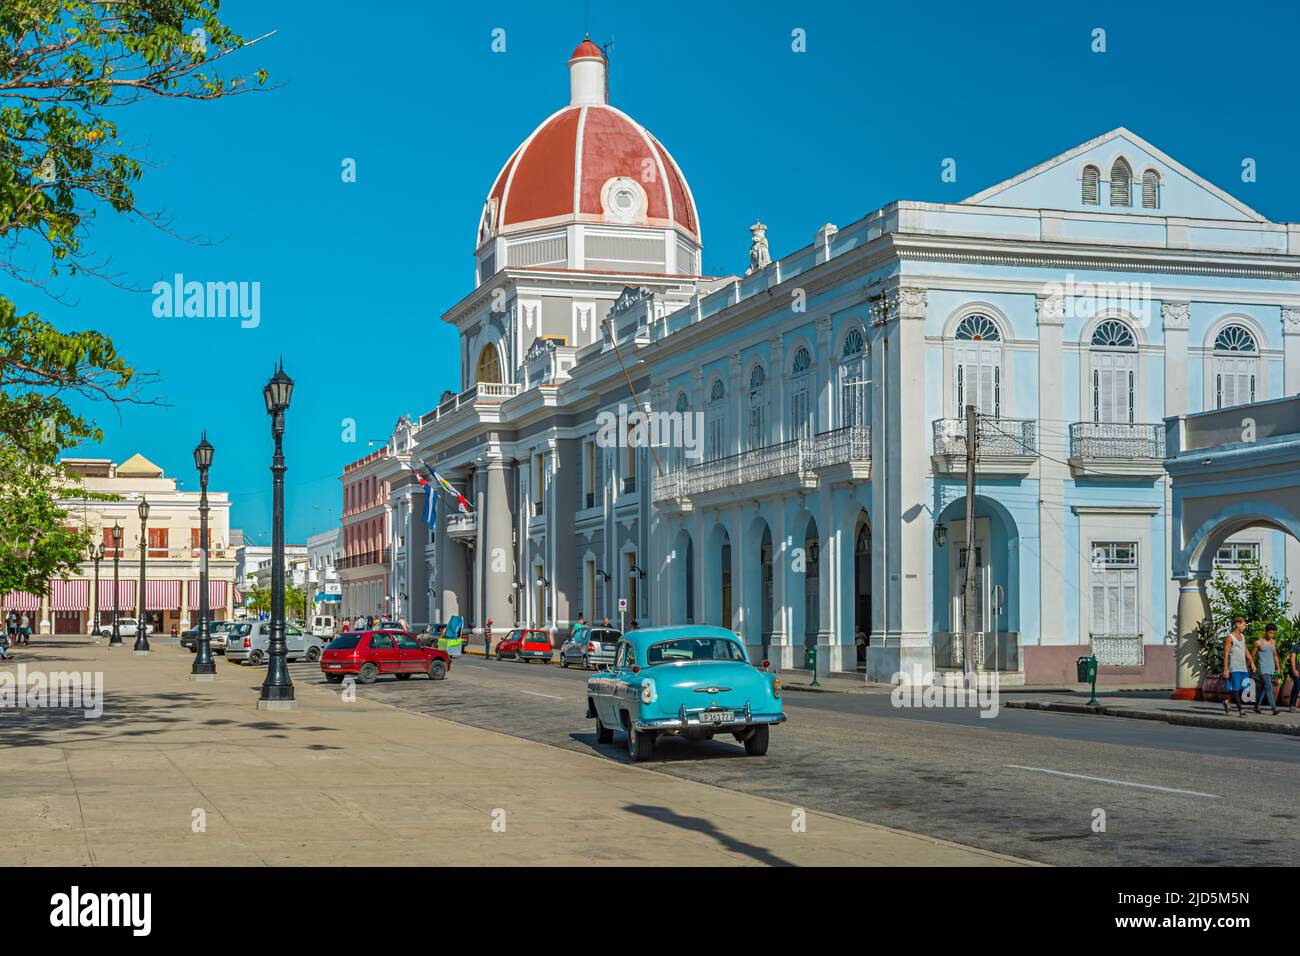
971	581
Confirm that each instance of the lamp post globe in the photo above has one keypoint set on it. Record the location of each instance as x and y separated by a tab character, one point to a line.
277	689
204	667
116	639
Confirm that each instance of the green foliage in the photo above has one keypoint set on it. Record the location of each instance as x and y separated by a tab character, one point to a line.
1255	595
294	600
65	67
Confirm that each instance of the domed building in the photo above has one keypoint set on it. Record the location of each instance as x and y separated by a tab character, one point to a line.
590	189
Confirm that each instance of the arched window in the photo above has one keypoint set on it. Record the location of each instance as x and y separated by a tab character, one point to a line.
1150	189
1091	179
757	407
715	435
801	404
1121	178
489	365
1113	372
853	379
1236	366
977	369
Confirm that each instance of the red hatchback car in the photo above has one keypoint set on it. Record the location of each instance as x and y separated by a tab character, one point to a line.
368	654
526	644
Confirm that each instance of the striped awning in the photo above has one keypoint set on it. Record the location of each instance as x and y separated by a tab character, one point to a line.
162	595
125	594
216	594
69	595
22	601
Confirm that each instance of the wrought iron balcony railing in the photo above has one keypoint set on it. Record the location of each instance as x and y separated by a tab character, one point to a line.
995	437
1117	440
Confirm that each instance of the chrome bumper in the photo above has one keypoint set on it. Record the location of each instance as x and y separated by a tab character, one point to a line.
691	722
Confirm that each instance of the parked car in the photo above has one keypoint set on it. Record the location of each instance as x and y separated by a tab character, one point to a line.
526	644
688	680
125	628
370	654
593	648
218	632
250	641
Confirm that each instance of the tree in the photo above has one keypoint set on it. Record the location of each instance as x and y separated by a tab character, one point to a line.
293	600
1251	593
66	67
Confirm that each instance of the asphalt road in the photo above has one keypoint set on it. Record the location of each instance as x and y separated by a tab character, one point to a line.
1024	783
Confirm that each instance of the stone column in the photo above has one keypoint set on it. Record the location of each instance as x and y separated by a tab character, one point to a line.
739	438
496	522
776	378
828	649
825	379
1193	608
780	650
1176	319
1052	474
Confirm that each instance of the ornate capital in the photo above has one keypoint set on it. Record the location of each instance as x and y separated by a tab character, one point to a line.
1291	320
876	308
1176	315
905	302
733	363
777	346
1050	309
824	332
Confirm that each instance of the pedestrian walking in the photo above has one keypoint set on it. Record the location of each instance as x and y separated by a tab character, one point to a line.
1264	659
11	627
401	622
25	629
1295	678
487	640
580	629
1235	663
604	622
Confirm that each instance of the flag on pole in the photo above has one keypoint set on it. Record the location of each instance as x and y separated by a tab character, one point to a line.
430	499
446	486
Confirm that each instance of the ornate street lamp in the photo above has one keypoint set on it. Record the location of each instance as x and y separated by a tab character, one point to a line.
277	689
116	639
96	555
940	534
204	667
142	642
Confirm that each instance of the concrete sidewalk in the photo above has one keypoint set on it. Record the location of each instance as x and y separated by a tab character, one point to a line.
361	783
1157	705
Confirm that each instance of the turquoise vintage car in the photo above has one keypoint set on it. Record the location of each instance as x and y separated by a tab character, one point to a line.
688	680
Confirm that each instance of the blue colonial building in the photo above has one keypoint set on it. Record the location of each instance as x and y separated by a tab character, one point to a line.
814	492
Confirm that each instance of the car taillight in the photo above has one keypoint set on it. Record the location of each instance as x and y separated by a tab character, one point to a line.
591	648
248	642
648	691
776	687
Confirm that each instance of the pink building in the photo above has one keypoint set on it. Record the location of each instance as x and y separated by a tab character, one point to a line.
367	540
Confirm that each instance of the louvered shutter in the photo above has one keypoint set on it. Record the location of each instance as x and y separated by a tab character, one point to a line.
1150	190
1091	176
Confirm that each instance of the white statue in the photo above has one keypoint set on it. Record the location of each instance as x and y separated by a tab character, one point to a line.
759	258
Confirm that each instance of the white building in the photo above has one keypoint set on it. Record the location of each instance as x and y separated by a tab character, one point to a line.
818	491
324	551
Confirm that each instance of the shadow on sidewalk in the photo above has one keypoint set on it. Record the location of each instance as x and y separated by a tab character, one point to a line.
698	825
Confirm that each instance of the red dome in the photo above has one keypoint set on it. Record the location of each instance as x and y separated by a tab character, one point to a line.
587	48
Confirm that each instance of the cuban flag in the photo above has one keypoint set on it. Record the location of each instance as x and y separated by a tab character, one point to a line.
430	496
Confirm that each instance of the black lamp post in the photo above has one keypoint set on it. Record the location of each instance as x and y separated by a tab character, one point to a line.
142	642
116	639
277	689
204	668
96	555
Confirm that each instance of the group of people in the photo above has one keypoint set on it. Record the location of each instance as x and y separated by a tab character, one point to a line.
1241	661
18	630
368	622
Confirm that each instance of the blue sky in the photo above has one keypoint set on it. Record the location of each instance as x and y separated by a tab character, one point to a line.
354	276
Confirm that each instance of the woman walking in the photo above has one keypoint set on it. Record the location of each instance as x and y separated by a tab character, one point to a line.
1235	663
1264	659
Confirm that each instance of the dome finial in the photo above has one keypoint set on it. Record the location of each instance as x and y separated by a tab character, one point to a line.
587	75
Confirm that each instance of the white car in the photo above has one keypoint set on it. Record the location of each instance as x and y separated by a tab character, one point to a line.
125	628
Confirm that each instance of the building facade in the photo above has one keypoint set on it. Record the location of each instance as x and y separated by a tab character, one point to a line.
324	551
171	551
803	479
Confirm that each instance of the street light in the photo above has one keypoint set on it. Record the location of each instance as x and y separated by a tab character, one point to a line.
277	689
96	555
142	642
204	667
940	534
116	639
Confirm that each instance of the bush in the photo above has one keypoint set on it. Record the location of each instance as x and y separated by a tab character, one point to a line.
1258	597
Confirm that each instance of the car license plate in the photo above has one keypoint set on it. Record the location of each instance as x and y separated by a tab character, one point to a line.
717	716
336	667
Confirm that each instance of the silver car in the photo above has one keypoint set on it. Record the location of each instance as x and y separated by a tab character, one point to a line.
218	632
595	647
250	641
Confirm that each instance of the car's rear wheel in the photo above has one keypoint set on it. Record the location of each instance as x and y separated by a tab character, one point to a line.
256	658
756	743
313	654
402	676
437	670
603	734
334	678
368	673
640	743
564	661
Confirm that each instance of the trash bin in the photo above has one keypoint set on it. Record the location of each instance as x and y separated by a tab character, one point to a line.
1087	670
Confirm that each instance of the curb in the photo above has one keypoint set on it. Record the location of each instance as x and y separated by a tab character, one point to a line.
1182	720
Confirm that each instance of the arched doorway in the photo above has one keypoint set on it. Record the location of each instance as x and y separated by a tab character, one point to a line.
862	590
682	591
993	573
717	578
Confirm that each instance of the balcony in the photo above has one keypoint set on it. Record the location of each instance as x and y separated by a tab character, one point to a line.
1003	446
787	466
481	393
1117	450
363	558
461	526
